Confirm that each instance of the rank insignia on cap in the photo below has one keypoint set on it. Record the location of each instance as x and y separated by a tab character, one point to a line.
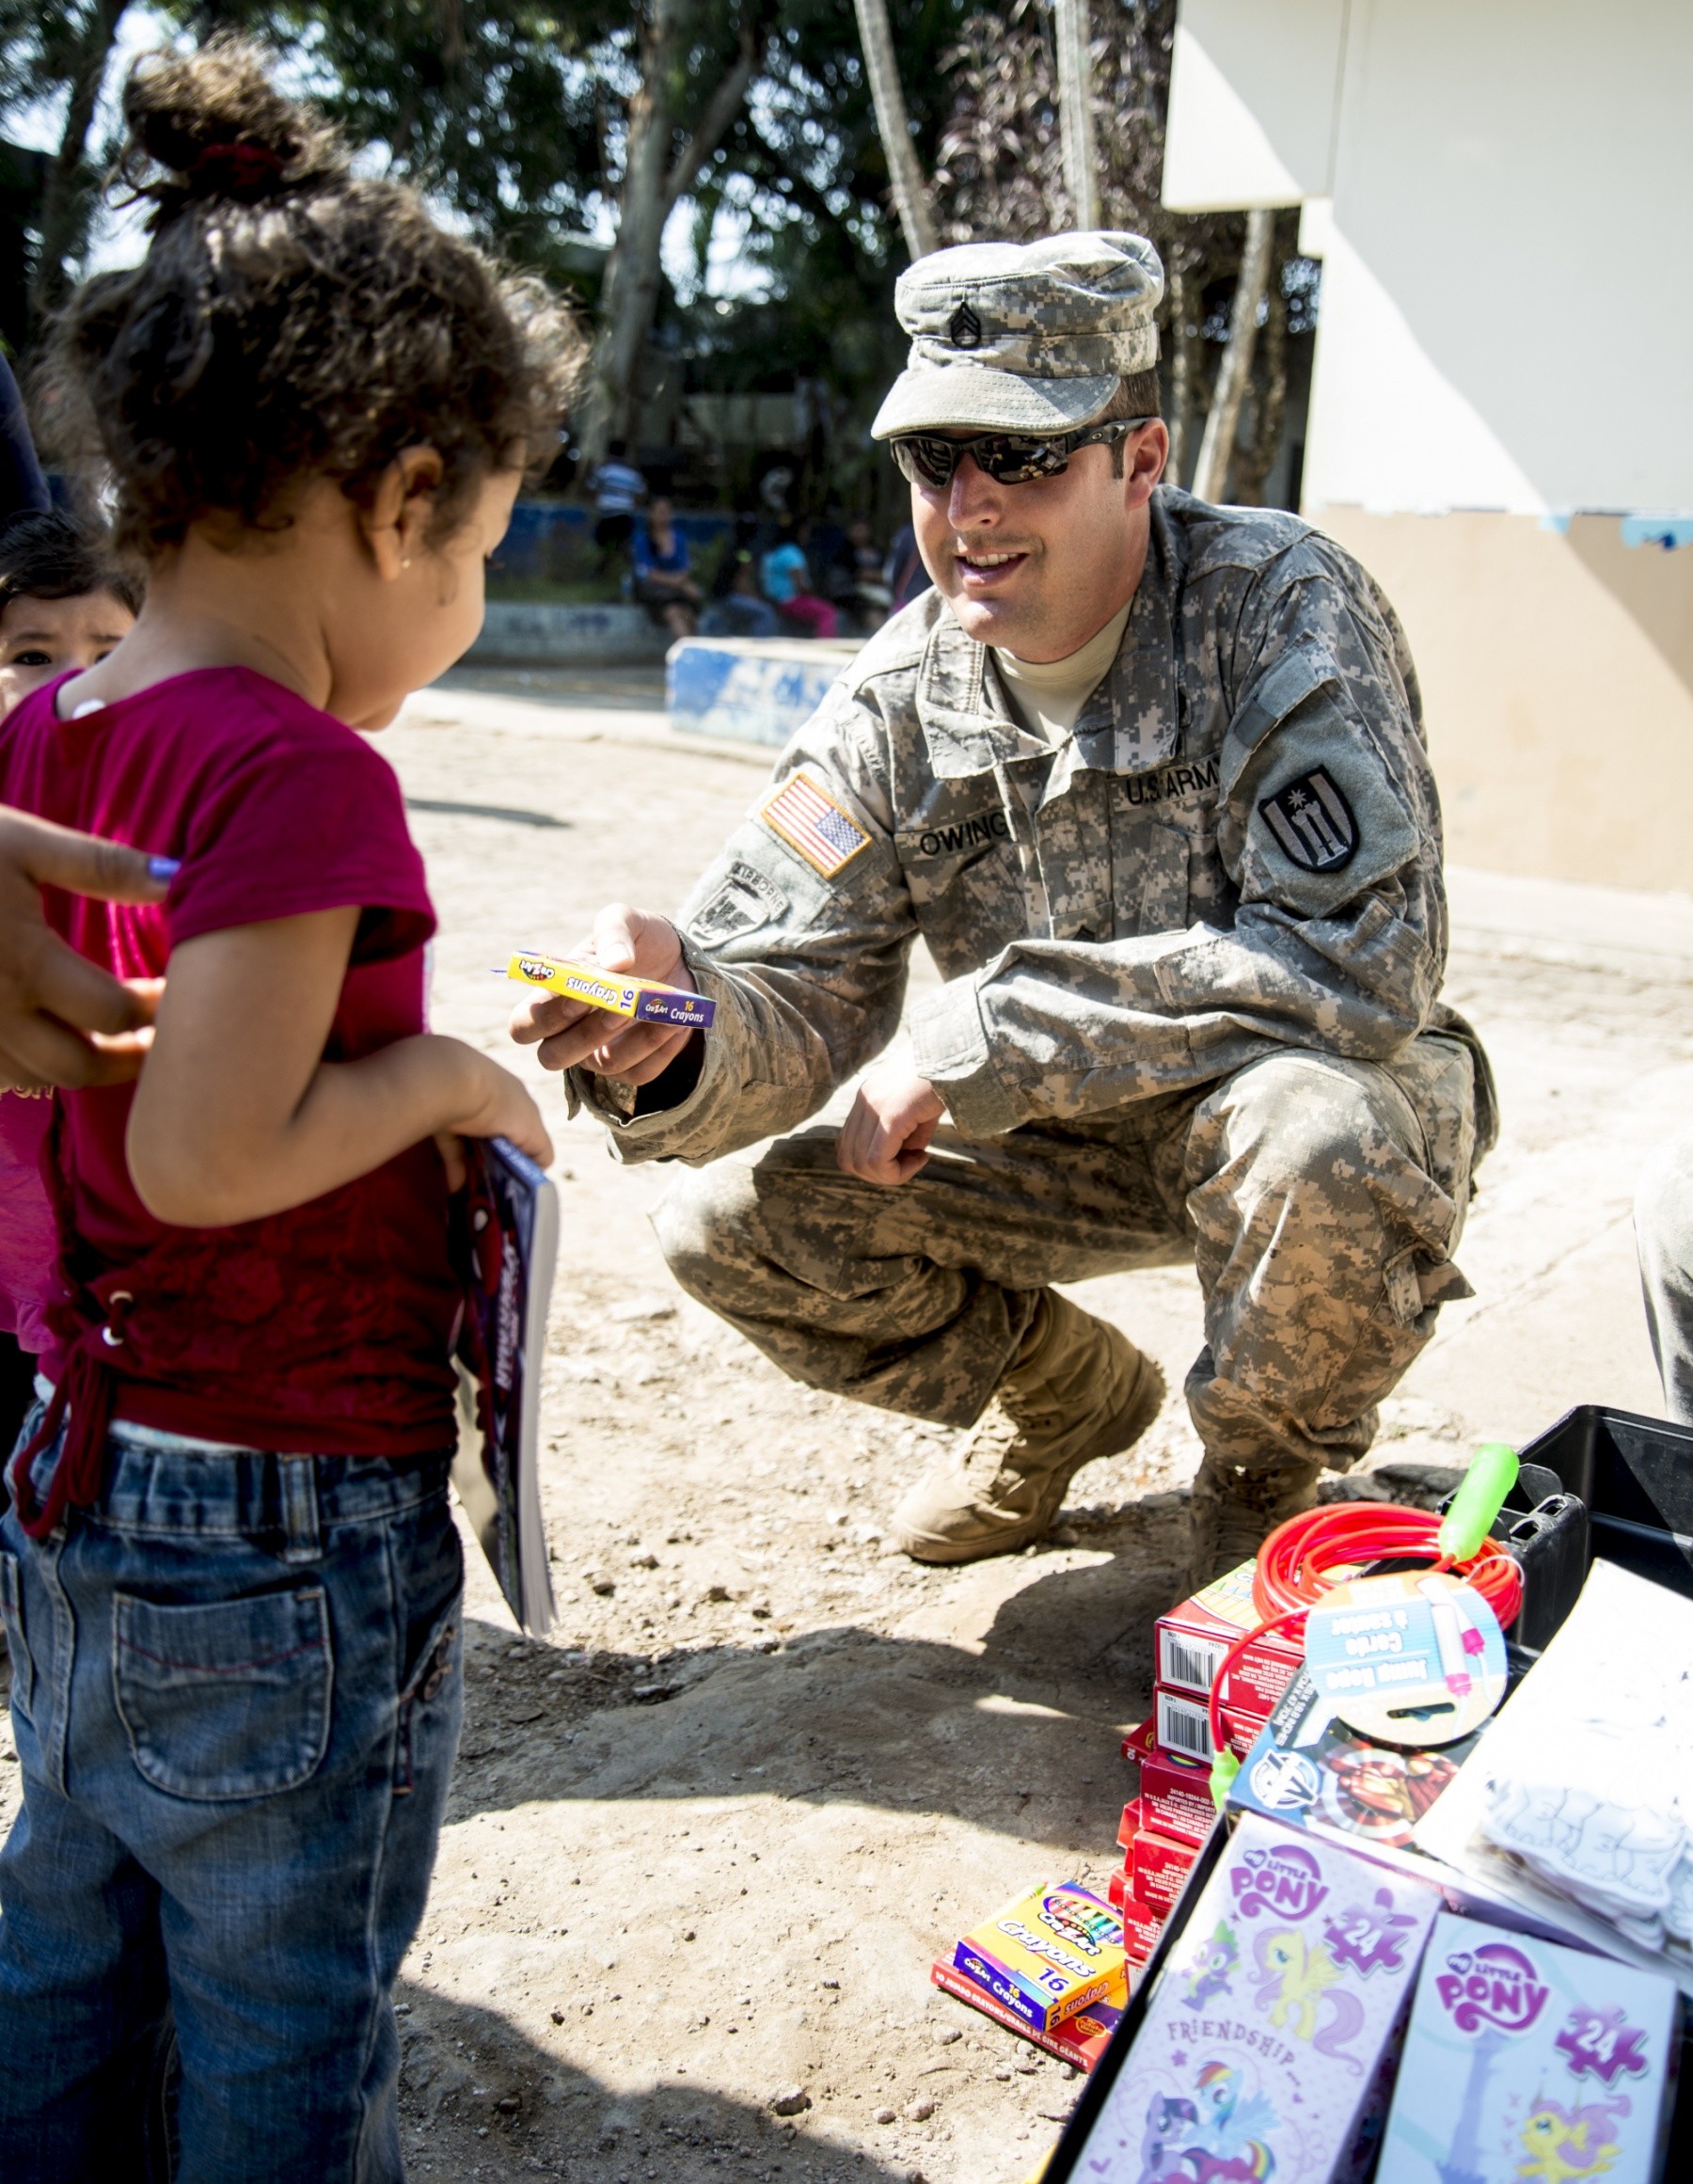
964	329
818	830
1312	822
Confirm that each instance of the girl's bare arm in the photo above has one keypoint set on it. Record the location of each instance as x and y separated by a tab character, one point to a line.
237	1114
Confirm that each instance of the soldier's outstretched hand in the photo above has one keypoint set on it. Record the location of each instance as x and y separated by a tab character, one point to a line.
886	1137
570	1035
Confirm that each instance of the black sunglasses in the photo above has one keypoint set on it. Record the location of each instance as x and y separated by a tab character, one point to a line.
1007	458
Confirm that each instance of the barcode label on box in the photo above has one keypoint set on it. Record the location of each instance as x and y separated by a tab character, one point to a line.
1184	1725
1190	1663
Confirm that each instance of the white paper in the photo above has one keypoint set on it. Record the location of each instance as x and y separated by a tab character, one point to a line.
1588	1776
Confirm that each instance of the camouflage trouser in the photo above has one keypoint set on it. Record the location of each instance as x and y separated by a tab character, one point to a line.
1319	1199
1664	1232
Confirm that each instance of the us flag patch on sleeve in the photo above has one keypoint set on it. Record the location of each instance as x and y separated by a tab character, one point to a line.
818	830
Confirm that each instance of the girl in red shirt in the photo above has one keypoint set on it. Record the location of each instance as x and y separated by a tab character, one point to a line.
229	1578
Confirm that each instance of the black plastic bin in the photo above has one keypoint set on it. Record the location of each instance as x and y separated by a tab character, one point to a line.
1634	1477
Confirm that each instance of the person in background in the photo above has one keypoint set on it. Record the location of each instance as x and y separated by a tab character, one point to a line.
65	601
619	490
787	585
1664	1238
233	1586
903	572
737	607
63	1020
22	488
869	600
664	583
829	554
64	604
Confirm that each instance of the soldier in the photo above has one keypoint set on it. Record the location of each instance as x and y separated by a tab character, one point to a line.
1149	778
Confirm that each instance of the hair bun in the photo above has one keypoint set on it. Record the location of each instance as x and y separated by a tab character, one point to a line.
211	125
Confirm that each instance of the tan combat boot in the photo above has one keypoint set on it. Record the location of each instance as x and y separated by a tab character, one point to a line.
1236	1507
1077	1389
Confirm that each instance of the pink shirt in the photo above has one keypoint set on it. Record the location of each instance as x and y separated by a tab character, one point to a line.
326	1328
26	1236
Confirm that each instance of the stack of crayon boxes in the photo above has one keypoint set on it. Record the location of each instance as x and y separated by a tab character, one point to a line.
1164	1828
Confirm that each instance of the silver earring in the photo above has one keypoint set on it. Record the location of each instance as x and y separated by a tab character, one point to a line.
405	561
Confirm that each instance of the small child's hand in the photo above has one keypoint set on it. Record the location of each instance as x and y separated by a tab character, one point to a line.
506	1109
452	1148
123	1052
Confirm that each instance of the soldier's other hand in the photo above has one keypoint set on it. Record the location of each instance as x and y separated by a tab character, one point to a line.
570	1035
63	1020
886	1137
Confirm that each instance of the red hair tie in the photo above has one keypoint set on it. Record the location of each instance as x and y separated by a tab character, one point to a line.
235	170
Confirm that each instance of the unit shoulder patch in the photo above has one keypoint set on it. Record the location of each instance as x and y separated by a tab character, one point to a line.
814	826
1312	822
747	898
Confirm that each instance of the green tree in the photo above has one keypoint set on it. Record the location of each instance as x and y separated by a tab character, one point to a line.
690	64
1001	172
49	52
497	106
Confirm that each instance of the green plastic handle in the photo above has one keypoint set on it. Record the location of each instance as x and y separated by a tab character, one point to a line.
1478	1500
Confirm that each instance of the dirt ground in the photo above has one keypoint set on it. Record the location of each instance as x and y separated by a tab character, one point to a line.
706	1839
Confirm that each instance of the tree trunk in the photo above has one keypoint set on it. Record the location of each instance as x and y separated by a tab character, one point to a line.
911	198
651	185
1182	370
1257	462
1075	112
62	207
1210	479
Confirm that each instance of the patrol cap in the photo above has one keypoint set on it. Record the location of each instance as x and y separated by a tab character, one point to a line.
1022	337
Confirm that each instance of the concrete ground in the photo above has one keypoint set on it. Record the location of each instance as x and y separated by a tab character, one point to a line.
706	1839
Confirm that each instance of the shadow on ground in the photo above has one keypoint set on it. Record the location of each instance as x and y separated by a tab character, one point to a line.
1002	1704
478	2099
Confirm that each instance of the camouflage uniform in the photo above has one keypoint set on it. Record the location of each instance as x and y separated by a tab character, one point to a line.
1191	957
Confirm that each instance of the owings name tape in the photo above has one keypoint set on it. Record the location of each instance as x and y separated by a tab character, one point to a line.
645	1000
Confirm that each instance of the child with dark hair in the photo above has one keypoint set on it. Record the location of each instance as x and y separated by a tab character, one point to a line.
64	602
231	1578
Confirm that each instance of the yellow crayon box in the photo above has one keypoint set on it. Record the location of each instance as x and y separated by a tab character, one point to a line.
644	999
1048	1955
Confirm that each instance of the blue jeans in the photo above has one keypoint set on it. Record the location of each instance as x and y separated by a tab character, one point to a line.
237	1690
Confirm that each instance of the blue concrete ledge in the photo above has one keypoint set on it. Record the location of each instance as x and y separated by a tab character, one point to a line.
520	634
751	689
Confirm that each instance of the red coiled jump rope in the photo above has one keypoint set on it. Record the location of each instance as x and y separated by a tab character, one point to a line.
1312	1553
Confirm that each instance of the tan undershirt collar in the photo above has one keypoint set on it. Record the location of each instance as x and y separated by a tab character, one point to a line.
1048	695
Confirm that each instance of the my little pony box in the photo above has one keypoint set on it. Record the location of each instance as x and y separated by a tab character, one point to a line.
1260	2054
1530	2064
1048	1955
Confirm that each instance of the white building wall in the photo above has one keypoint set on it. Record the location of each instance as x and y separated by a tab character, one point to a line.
1254	103
1507	313
1501	192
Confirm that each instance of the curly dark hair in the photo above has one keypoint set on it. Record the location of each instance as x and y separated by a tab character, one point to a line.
289	321
45	555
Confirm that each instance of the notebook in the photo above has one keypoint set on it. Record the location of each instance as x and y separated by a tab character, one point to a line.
512	1212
